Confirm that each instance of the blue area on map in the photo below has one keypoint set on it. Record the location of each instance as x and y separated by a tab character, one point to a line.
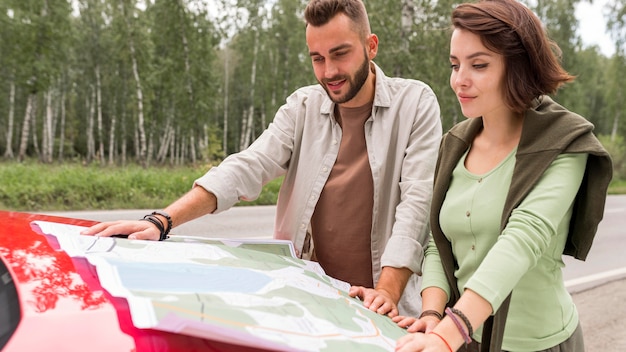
183	277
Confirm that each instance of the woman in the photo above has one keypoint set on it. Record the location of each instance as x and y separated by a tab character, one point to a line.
519	183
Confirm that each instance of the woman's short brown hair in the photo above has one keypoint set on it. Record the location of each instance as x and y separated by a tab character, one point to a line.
320	12
507	27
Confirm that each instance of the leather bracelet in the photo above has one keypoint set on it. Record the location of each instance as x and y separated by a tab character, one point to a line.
159	225
169	222
156	222
452	313
431	312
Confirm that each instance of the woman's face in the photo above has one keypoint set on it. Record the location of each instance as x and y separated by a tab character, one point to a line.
477	76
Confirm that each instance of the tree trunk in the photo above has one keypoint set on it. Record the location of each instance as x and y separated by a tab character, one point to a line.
112	135
141	132
225	129
47	135
100	154
90	124
615	128
248	123
8	152
124	145
62	126
192	148
31	107
33	127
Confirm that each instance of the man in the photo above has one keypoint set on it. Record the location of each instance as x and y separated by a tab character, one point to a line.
357	153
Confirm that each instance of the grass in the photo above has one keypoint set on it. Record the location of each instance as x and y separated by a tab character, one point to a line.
617	187
32	186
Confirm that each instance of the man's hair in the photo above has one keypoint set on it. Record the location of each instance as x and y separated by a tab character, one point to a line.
507	27
320	12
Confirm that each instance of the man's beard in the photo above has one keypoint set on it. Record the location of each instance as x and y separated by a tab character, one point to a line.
356	83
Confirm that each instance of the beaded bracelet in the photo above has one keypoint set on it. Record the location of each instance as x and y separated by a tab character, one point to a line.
442	339
434	313
452	313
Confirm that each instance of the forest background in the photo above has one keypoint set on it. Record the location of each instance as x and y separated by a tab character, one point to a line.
108	104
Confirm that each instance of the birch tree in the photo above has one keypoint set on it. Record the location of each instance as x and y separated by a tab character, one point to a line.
616	24
125	12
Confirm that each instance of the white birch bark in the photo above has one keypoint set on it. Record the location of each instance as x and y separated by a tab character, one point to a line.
225	117
248	123
112	135
47	142
62	126
8	152
141	132
31	107
100	153
91	146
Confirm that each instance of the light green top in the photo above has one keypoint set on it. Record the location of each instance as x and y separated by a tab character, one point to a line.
526	258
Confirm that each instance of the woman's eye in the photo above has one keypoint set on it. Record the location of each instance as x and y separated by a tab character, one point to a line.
480	66
455	67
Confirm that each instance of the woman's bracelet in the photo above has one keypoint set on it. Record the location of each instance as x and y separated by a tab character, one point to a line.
442	339
431	312
452	313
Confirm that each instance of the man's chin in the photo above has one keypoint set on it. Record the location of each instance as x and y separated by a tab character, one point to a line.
335	97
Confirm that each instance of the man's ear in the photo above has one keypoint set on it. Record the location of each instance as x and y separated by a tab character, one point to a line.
372	46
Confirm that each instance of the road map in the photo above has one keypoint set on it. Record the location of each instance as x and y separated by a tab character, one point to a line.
249	292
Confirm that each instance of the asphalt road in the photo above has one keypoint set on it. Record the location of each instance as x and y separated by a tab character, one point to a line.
598	284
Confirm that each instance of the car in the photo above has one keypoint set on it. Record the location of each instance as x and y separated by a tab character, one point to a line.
51	301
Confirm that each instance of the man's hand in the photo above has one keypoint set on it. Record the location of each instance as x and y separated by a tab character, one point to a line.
135	229
376	300
385	297
193	204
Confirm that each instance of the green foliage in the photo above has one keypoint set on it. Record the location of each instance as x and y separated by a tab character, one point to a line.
199	70
32	186
617	187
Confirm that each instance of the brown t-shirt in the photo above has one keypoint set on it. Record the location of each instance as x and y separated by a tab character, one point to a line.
342	221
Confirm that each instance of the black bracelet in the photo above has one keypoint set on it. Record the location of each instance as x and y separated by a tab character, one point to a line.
155	221
159	224
434	313
470	330
167	217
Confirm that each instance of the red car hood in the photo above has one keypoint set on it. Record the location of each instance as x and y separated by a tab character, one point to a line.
59	308
64	308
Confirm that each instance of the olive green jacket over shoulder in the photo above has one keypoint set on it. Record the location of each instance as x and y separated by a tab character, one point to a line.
548	131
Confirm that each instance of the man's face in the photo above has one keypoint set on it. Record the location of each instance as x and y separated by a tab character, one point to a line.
341	62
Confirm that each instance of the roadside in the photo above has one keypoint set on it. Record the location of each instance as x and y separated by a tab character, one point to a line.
602	311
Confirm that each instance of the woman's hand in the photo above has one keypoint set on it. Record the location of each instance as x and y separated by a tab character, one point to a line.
418	341
411	324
